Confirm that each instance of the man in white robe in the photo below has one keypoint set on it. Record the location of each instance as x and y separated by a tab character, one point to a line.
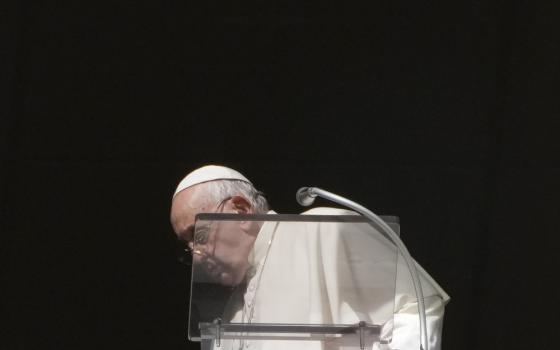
300	273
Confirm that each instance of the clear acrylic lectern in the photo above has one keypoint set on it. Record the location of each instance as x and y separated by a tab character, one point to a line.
291	282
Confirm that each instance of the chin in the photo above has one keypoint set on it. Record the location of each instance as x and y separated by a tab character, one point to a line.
230	280
226	281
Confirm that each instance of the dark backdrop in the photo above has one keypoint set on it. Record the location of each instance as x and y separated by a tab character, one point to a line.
443	114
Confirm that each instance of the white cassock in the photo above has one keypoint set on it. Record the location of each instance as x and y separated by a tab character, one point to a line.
311	273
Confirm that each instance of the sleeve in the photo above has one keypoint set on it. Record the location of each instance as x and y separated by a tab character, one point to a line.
406	324
406	328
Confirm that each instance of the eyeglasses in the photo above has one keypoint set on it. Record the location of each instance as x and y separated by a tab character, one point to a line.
200	238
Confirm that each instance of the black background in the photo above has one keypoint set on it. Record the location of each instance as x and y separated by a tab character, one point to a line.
443	113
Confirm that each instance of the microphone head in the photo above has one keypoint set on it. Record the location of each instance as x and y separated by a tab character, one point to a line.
304	197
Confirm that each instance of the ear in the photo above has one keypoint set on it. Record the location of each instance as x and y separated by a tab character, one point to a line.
241	205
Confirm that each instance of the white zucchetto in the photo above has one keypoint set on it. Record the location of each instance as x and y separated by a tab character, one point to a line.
209	173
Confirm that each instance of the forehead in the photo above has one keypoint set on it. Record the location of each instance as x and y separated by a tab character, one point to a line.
186	205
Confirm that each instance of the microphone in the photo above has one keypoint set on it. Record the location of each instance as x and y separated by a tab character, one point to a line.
305	196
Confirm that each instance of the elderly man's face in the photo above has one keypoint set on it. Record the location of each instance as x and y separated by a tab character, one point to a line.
220	249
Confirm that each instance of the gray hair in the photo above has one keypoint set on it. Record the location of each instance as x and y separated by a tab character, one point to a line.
220	189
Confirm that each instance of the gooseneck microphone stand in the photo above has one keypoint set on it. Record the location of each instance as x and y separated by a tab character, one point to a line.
306	196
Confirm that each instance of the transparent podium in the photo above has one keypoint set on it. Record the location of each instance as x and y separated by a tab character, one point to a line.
317	281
